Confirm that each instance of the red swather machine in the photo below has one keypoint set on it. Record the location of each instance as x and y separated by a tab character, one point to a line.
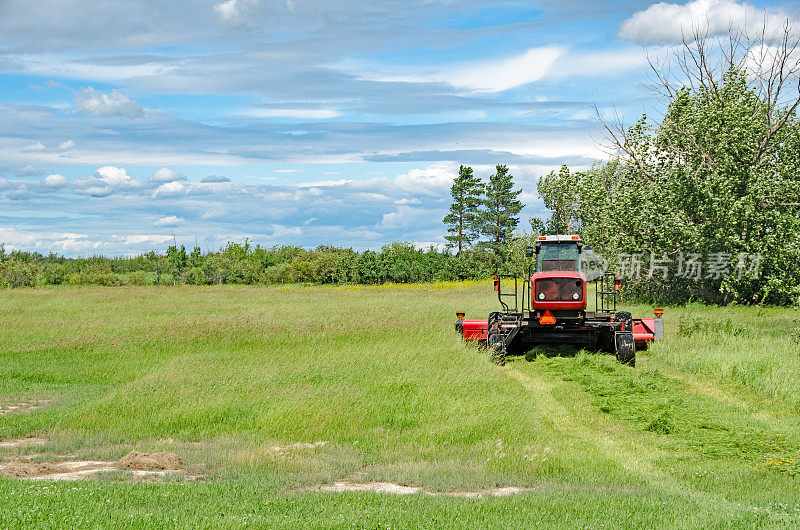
552	309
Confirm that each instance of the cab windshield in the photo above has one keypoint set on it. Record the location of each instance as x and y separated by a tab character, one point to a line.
554	256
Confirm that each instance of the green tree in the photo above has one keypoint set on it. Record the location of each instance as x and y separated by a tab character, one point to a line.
538	227
462	221
499	218
717	178
561	196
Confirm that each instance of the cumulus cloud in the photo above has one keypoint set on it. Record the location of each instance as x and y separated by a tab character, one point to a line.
166	175
431	181
666	23
214	179
105	181
94	103
170	220
54	181
169	189
37	147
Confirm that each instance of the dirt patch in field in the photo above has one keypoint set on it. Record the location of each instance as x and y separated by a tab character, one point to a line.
398	489
22	442
140	465
22	407
151	462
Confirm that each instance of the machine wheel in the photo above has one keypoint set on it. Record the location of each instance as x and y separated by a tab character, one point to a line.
497	349
626	319
625	348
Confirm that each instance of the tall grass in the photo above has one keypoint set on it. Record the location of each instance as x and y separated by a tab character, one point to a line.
231	377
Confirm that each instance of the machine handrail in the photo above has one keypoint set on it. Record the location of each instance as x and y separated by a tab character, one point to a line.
501	294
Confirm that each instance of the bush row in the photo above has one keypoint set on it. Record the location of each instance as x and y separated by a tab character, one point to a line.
244	264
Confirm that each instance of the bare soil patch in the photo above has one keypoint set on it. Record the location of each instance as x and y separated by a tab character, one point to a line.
399	489
140	465
22	442
22	407
151	462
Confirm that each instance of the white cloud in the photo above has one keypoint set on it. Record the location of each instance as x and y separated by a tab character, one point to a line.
214	179
668	23
38	147
20	194
66	146
105	181
48	241
170	220
138	239
54	181
169	189
598	63
494	75
281	232
323	183
234	13
113	176
432	180
94	103
166	175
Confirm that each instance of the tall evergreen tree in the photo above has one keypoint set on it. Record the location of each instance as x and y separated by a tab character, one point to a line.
462	221
499	218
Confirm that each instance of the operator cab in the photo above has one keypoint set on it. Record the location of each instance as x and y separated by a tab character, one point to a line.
558	253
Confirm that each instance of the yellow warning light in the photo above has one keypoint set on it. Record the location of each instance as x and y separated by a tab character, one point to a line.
658	312
460	315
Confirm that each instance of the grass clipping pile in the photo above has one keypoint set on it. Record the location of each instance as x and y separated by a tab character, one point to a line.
140	465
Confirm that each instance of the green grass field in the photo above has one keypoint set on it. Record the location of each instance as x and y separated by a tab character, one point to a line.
704	432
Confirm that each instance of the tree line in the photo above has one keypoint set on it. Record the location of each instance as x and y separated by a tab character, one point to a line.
244	263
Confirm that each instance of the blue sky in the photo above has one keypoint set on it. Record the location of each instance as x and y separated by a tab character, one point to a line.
124	125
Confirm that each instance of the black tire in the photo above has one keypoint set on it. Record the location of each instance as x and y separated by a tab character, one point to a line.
497	349
626	319
625	348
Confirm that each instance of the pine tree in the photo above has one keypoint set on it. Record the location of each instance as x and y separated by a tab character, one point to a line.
499	218
462	221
